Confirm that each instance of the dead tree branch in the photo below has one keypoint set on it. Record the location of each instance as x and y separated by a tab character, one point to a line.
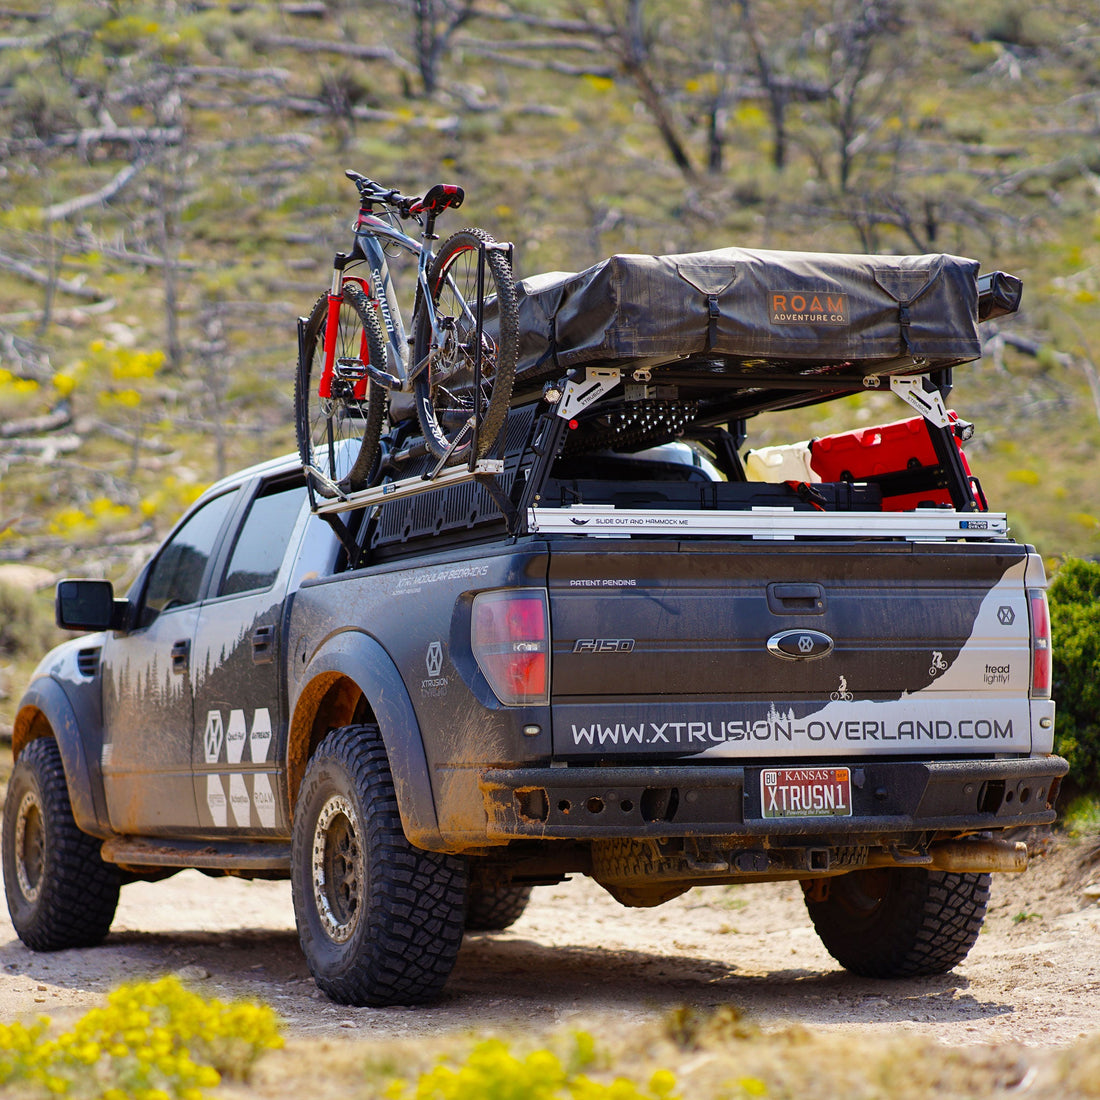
60	211
25	271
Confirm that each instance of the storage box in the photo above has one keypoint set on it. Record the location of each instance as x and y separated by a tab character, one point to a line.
899	457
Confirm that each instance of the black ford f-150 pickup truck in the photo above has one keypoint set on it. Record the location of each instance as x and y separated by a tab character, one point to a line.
623	646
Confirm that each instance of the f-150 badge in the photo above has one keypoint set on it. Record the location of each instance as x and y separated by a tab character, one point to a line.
800	645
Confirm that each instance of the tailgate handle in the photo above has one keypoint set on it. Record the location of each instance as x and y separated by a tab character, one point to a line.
796	599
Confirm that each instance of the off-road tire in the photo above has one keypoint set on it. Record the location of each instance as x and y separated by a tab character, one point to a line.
492	909
444	404
60	892
322	431
899	922
380	922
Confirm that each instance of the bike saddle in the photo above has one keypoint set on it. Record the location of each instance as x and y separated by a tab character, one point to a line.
439	198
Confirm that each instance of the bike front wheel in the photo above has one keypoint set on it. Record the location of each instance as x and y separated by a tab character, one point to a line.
447	394
338	435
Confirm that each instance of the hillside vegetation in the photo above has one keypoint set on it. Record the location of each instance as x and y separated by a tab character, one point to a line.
172	191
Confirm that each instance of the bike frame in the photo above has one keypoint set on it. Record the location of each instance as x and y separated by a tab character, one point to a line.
371	234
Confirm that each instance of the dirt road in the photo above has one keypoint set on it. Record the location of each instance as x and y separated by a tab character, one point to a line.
578	959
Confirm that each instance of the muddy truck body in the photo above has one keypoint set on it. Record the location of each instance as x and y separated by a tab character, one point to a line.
625	646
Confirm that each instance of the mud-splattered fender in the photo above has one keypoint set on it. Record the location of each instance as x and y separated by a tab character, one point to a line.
46	709
354	656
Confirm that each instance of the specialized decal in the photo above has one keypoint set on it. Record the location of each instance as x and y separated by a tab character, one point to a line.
938	663
409	583
435	684
259	740
825	307
239	802
235	735
603	645
704	733
957	724
212	738
842	691
249	802
264	800
603	582
216	801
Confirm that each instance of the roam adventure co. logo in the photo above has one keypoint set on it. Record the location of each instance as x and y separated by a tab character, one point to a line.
809	308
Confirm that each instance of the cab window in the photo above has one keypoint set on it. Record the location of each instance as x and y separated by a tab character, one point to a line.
175	579
263	539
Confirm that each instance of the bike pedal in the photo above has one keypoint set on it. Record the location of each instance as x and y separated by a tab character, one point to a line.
354	369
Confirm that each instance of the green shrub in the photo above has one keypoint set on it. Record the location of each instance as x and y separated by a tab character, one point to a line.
25	629
1075	628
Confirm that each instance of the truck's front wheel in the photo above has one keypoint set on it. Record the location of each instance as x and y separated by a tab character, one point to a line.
60	892
898	922
380	921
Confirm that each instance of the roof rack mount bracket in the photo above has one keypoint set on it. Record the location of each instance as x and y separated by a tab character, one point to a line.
910	388
579	394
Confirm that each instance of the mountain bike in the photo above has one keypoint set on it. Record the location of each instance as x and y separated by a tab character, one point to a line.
353	350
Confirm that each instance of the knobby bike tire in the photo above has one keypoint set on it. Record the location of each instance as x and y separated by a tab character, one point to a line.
340	435
445	400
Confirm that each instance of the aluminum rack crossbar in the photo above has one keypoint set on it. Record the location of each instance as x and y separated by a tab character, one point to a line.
407	487
768	523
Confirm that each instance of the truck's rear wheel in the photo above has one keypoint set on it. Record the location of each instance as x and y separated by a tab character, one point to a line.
60	892
494	908
898	922
380	921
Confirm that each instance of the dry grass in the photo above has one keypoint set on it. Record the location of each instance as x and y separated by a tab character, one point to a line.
718	1057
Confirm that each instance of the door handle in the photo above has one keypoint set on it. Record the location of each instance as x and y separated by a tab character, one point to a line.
181	655
263	645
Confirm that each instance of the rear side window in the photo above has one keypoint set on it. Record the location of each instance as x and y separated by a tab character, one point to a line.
176	577
263	539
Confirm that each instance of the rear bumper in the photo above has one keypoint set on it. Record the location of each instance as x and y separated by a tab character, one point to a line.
889	799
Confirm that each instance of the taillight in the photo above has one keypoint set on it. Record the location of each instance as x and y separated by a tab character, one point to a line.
1040	644
510	635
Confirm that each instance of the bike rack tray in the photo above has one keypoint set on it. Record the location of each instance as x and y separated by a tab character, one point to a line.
406	487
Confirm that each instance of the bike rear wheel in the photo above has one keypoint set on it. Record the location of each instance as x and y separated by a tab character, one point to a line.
338	435
446	395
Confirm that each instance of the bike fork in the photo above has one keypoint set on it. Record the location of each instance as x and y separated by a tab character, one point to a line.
332	325
357	372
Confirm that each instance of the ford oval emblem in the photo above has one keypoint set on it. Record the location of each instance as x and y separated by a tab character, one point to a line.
800	645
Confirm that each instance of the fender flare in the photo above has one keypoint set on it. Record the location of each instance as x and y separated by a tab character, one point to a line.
47	702
361	658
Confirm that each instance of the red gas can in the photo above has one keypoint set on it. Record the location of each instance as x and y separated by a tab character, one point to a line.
899	456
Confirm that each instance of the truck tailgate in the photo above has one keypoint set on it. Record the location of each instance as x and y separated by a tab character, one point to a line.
801	650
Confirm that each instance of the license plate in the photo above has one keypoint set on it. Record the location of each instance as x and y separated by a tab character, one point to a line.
806	792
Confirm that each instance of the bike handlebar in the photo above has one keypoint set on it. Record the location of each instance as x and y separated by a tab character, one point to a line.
370	191
443	196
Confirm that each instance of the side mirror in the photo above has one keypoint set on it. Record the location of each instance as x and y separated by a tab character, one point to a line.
89	605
